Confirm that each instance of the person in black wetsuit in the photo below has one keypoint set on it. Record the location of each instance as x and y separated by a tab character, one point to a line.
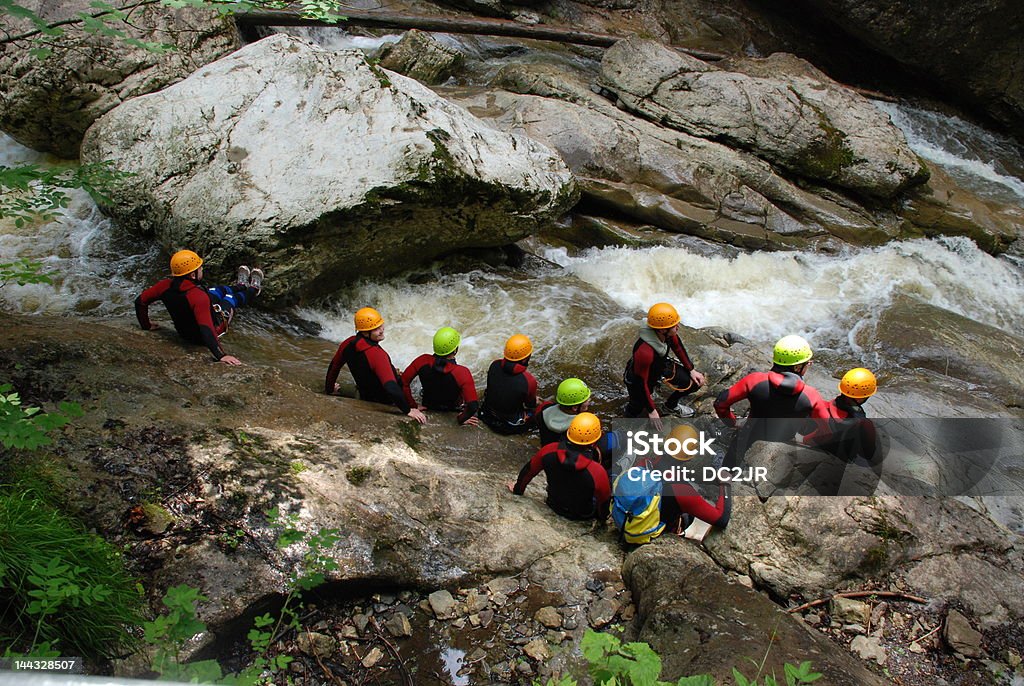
510	399
447	386
650	363
376	378
680	500
780	401
200	314
578	486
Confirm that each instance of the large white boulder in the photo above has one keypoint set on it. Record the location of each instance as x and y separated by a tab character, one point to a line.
321	167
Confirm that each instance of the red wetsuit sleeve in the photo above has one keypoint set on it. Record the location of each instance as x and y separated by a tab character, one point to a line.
643	358
532	468
680	350
336	364
737	392
691	502
199	301
467	387
821	416
602	489
531	392
147	298
411	372
380	364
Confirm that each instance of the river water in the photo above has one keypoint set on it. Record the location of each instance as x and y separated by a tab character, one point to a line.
580	308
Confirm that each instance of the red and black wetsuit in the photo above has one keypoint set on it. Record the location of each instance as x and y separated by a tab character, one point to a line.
447	386
842	428
510	399
679	500
644	373
376	378
578	486
780	402
190	308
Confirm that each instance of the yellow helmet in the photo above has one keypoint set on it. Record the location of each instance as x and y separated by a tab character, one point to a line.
790	351
185	262
368	319
585	429
517	348
858	383
662	316
683	433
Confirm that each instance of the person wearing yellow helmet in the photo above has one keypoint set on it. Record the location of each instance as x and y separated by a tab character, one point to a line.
650	363
779	399
447	385
201	314
510	399
841	426
376	378
578	486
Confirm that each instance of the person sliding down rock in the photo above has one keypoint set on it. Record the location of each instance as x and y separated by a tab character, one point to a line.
376	378
578	486
447	386
201	314
650	363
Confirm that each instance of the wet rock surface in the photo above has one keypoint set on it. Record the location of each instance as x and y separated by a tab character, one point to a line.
219	450
49	103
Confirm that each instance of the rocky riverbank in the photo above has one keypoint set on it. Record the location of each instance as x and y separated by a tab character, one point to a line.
459	566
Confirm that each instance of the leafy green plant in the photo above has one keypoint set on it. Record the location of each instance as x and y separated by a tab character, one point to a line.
62	590
21	272
613	663
168	632
28	427
31	192
316	562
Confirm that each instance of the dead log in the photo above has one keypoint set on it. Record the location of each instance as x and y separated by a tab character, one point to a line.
475	25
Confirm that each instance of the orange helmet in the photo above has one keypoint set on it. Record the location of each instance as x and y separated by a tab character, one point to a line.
682	433
858	383
585	429
368	319
662	316
518	348
185	262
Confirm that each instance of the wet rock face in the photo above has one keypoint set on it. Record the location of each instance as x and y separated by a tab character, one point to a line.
782	110
700	622
322	168
422	57
971	50
48	104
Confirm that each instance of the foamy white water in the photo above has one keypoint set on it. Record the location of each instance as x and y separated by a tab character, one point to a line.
92	269
767	295
985	163
561	318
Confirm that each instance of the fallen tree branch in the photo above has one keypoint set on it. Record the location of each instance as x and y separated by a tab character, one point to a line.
858	594
475	25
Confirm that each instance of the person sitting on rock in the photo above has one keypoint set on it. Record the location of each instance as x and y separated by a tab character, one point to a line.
650	363
510	399
201	314
553	418
376	378
680	499
578	486
779	399
841	427
447	386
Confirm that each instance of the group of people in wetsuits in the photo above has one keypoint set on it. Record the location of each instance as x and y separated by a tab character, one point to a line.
575	453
